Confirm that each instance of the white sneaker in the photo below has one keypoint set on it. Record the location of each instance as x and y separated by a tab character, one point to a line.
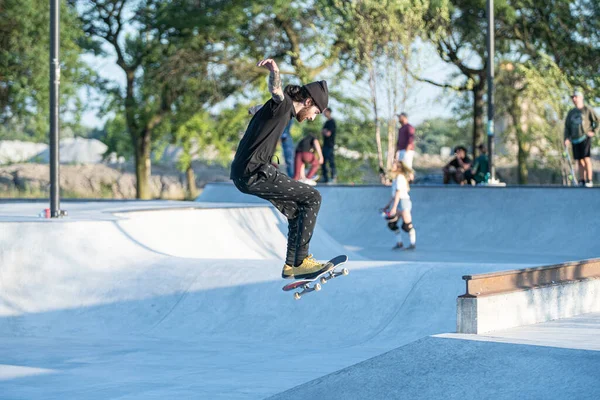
308	181
589	184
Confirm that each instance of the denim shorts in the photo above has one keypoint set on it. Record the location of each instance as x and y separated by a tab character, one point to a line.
405	205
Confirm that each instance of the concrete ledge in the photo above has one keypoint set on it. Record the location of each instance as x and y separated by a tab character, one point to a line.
509	299
508	310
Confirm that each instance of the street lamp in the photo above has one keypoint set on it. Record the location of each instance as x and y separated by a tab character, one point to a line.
55	211
490	84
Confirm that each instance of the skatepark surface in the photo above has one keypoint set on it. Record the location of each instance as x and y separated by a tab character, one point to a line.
183	300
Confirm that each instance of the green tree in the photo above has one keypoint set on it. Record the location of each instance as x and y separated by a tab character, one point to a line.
297	34
25	69
436	133
460	40
357	152
531	96
209	137
567	31
114	136
169	52
375	39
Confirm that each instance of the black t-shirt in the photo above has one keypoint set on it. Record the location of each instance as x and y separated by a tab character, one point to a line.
262	135
329	141
306	144
455	163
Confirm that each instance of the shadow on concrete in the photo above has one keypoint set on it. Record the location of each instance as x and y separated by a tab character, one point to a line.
438	368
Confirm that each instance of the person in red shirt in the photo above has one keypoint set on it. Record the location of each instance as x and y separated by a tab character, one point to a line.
405	148
308	151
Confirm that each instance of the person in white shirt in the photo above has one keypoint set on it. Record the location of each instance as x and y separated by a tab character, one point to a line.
399	206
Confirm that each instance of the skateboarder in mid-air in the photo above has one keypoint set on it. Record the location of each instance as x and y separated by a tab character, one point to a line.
253	173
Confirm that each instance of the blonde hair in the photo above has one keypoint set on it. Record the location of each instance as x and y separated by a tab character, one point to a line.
401	168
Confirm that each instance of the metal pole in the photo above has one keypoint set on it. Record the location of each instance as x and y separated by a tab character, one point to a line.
54	104
490	85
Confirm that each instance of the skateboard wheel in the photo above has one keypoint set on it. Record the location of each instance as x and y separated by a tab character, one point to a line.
345	271
323	280
297	296
317	287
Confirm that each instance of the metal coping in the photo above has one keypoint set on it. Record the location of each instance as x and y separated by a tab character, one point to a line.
439	186
530	278
74	217
345	186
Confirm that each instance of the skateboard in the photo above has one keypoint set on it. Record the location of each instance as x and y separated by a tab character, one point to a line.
322	277
572	175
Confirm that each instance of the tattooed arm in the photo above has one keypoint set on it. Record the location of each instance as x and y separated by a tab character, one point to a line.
274	79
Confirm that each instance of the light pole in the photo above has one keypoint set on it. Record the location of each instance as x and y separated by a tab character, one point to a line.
54	111
490	84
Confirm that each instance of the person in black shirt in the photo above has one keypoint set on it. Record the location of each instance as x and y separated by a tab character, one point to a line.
328	132
252	172
458	169
287	144
305	153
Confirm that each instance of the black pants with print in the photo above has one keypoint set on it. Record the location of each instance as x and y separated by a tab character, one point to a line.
300	203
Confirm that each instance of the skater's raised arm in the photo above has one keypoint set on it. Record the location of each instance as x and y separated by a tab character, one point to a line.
274	79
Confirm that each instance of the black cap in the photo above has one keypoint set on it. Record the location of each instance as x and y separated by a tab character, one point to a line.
319	93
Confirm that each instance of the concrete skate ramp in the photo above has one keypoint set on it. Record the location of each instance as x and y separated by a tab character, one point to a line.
219	233
454	223
99	309
126	304
115	302
445	368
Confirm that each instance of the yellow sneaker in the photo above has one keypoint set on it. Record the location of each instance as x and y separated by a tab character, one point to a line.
287	272
309	268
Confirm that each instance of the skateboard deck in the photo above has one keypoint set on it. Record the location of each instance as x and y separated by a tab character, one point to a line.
322	277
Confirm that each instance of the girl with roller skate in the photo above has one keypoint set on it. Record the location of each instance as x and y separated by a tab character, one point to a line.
398	209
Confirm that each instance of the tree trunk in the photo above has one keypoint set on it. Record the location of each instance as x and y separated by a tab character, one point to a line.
392	74
523	146
391	153
478	111
191	182
373	86
522	156
141	151
143	166
378	139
